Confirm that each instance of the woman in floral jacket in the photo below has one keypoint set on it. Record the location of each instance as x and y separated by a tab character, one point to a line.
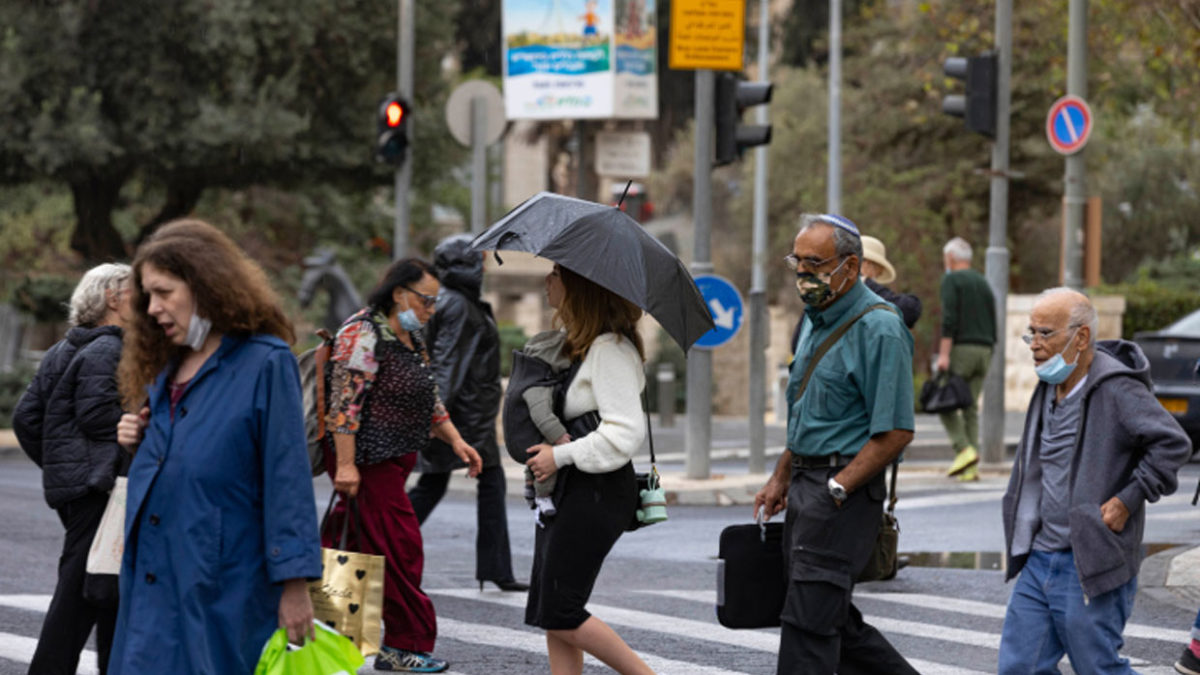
383	407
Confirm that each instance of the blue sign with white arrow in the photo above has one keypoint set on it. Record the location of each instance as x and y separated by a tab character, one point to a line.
725	304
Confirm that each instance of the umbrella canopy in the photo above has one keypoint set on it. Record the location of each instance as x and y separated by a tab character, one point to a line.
603	244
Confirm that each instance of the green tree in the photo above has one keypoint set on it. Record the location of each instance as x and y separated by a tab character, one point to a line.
195	94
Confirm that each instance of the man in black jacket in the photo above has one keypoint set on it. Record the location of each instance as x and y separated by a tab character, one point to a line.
465	348
67	423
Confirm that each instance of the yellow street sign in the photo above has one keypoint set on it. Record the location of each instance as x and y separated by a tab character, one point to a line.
707	34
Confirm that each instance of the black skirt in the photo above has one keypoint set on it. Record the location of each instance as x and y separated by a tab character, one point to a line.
592	512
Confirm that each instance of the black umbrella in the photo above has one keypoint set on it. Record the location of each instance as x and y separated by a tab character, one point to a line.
603	244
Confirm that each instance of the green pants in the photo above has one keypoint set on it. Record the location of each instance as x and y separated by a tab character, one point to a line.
970	362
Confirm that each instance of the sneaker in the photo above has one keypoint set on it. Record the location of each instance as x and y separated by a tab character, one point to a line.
1188	664
965	459
970	474
404	661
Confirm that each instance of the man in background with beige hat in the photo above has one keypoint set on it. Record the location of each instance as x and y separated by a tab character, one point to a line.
877	272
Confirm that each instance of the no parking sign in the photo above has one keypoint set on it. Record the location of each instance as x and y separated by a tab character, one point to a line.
1069	125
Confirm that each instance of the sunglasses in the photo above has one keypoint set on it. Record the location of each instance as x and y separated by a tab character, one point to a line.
427	300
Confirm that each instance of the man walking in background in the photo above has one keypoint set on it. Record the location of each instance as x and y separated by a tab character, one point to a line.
968	334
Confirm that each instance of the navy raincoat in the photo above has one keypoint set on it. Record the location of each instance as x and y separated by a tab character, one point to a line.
220	511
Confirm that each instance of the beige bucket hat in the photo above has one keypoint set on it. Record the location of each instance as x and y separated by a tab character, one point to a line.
876	252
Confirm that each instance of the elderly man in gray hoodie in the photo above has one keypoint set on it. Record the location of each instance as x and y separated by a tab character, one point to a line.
1097	447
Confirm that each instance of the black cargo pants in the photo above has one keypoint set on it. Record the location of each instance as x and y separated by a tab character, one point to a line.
827	547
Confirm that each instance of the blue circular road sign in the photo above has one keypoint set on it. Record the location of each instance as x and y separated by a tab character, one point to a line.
1069	125
725	304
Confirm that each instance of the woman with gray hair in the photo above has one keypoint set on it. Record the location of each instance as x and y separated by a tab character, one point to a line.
67	423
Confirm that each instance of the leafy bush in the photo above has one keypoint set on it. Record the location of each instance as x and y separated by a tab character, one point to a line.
12	385
1150	305
44	298
512	337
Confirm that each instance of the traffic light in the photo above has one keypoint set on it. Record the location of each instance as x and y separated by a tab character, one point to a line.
391	145
732	97
978	105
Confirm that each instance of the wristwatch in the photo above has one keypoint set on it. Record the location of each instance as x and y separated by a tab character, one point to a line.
836	491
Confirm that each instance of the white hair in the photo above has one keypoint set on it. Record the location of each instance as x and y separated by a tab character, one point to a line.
959	249
1082	313
89	301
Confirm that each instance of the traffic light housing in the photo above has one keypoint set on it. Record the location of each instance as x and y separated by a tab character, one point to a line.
391	144
978	106
732	97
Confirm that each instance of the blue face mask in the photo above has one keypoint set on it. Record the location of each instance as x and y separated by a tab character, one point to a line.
409	321
1056	370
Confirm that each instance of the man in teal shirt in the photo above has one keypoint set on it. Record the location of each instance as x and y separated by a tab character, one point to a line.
852	419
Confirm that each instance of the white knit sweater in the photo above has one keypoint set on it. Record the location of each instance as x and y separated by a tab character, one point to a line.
609	381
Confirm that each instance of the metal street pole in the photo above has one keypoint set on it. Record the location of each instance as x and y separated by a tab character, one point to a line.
758	274
478	164
992	422
833	186
699	361
1076	173
404	83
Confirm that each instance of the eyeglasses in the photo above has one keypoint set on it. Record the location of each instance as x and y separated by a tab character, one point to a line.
807	264
427	300
1044	334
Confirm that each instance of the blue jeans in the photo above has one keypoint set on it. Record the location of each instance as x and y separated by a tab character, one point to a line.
1048	615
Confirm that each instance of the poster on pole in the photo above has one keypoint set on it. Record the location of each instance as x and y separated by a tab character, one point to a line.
579	59
707	34
635	39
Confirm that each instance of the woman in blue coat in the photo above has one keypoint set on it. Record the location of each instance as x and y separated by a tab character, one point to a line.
220	523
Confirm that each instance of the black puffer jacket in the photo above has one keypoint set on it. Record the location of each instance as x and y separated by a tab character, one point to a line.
67	419
465	350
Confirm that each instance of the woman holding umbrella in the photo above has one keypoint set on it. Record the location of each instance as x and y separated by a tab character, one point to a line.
597	492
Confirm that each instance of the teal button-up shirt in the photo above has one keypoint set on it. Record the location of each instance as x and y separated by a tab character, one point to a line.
861	387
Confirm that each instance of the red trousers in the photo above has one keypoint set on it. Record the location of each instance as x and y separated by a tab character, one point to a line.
390	529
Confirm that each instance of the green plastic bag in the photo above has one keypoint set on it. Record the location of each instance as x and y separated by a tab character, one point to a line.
329	654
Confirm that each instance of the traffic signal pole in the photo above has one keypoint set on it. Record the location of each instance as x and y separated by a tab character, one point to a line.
405	36
758	274
833	184
1076	171
992	421
699	361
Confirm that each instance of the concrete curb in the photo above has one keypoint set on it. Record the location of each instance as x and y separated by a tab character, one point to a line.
1172	577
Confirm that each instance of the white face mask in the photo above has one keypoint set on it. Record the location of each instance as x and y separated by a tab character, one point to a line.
197	331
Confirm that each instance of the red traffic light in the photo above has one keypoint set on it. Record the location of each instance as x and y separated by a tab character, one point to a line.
394	114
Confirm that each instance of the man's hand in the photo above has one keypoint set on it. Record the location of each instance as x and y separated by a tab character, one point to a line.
296	612
541	461
943	363
772	497
346	480
466	453
1114	514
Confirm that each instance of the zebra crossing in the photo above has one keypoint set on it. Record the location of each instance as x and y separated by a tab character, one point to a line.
676	633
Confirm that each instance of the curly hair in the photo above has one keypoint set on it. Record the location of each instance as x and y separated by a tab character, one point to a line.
229	288
589	310
89	302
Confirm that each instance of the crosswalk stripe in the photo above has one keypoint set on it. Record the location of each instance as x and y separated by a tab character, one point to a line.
33	603
686	628
942	603
954	499
527	641
20	649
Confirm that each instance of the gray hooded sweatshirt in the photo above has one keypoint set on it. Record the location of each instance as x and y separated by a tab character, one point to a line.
1127	446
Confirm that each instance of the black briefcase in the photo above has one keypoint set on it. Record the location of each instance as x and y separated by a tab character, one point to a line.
751	579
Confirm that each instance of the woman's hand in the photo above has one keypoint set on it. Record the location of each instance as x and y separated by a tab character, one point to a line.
346	480
296	612
542	462
467	454
131	428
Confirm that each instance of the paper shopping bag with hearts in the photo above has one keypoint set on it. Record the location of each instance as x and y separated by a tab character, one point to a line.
349	596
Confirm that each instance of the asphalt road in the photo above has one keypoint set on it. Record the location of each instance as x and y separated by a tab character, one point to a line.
657	587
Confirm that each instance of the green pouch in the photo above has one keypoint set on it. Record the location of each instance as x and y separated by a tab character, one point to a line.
330	653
